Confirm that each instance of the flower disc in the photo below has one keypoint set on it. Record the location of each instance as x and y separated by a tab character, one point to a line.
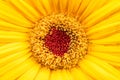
58	41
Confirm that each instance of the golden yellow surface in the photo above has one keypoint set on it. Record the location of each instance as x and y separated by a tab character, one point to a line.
101	21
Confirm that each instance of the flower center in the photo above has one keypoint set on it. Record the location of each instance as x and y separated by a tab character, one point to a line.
57	41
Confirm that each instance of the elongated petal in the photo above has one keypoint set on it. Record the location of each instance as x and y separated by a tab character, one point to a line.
55	5
56	75
43	74
13	17
11	48
62	4
79	75
82	7
104	31
112	19
12	57
92	7
31	73
106	56
66	75
17	71
42	6
76	7
28	11
113	39
73	7
105	66
104	48
10	36
104	12
6	68
115	64
99	70
46	6
12	27
3	43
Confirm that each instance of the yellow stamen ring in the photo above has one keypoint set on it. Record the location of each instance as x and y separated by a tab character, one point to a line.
77	47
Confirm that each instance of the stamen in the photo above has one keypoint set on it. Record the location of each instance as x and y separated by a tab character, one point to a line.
58	42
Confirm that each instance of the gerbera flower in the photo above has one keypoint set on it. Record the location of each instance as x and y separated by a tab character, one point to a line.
59	39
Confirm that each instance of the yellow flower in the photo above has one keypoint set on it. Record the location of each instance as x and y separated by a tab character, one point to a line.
59	39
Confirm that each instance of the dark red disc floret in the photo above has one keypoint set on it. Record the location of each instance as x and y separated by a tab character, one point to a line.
57	41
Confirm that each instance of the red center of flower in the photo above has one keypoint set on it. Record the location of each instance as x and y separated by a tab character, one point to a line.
57	41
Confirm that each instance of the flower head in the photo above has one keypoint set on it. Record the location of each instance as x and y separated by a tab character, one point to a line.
59	39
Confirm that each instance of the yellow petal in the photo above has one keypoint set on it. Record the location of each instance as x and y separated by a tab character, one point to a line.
112	19
116	64
106	56
79	75
55	5
3	43
10	36
43	74
82	7
14	17
11	48
42	6
12	27
46	6
31	73
73	6
17	71
63	6
97	71
56	75
104	12
90	70
113	39
25	9
66	75
13	56
104	48
12	65
76	6
119	68
112	70
104	31
92	6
